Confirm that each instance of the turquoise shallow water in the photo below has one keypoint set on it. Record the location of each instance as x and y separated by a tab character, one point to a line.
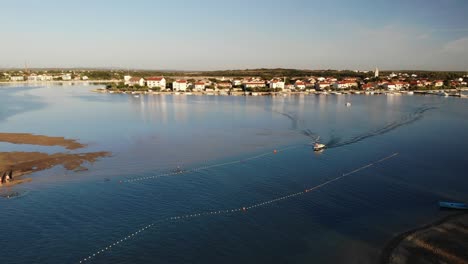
65	217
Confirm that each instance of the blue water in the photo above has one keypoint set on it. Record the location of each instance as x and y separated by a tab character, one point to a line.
63	217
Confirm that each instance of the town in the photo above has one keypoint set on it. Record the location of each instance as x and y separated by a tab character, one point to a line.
208	83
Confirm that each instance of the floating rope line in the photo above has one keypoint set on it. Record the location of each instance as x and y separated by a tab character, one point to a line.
228	211
137	179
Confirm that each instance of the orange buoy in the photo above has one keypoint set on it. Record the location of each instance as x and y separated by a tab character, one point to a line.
275	151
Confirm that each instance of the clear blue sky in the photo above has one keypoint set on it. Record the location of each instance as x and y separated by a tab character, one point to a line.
207	35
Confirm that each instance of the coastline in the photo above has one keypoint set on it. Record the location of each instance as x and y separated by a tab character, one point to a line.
453	92
392	245
57	82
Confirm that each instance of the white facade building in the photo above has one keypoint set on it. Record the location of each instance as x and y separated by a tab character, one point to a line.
299	85
17	78
254	84
152	82
277	84
136	81
199	86
179	85
66	77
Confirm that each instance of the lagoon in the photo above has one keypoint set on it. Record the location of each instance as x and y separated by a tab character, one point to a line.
64	217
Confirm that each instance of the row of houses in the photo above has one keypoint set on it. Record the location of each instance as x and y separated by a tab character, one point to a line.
317	83
45	77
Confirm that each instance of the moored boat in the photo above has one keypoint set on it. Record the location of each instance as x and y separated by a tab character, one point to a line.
453	205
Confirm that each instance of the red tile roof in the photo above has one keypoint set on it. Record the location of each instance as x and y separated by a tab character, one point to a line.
135	79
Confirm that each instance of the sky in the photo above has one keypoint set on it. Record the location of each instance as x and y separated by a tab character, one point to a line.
240	34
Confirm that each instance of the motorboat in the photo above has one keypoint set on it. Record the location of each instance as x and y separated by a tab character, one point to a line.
318	146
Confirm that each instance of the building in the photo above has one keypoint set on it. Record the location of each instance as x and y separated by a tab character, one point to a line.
395	85
322	85
84	78
299	85
159	82
136	81
416	83
199	86
17	78
224	85
439	83
277	84
254	84
367	86
345	84
66	77
236	82
179	85
32	78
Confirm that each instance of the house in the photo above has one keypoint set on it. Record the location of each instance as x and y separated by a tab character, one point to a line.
33	78
299	85
136	81
46	77
322	85
276	84
199	86
224	85
236	82
254	84
345	84
438	83
289	87
159	82
66	77
395	85
416	83
17	78
84	78
179	85
367	86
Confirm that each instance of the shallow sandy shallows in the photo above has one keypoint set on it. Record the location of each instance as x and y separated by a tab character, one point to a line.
445	241
22	163
25	138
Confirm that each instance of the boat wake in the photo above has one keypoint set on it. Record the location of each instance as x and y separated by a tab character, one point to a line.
409	119
291	116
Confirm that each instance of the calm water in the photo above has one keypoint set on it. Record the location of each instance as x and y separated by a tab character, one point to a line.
63	217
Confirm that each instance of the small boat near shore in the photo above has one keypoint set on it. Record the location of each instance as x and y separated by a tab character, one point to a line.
453	205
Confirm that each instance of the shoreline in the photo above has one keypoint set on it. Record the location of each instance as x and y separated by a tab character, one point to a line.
55	82
390	247
288	93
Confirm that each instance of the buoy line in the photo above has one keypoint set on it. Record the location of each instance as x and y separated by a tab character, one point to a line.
243	209
276	151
